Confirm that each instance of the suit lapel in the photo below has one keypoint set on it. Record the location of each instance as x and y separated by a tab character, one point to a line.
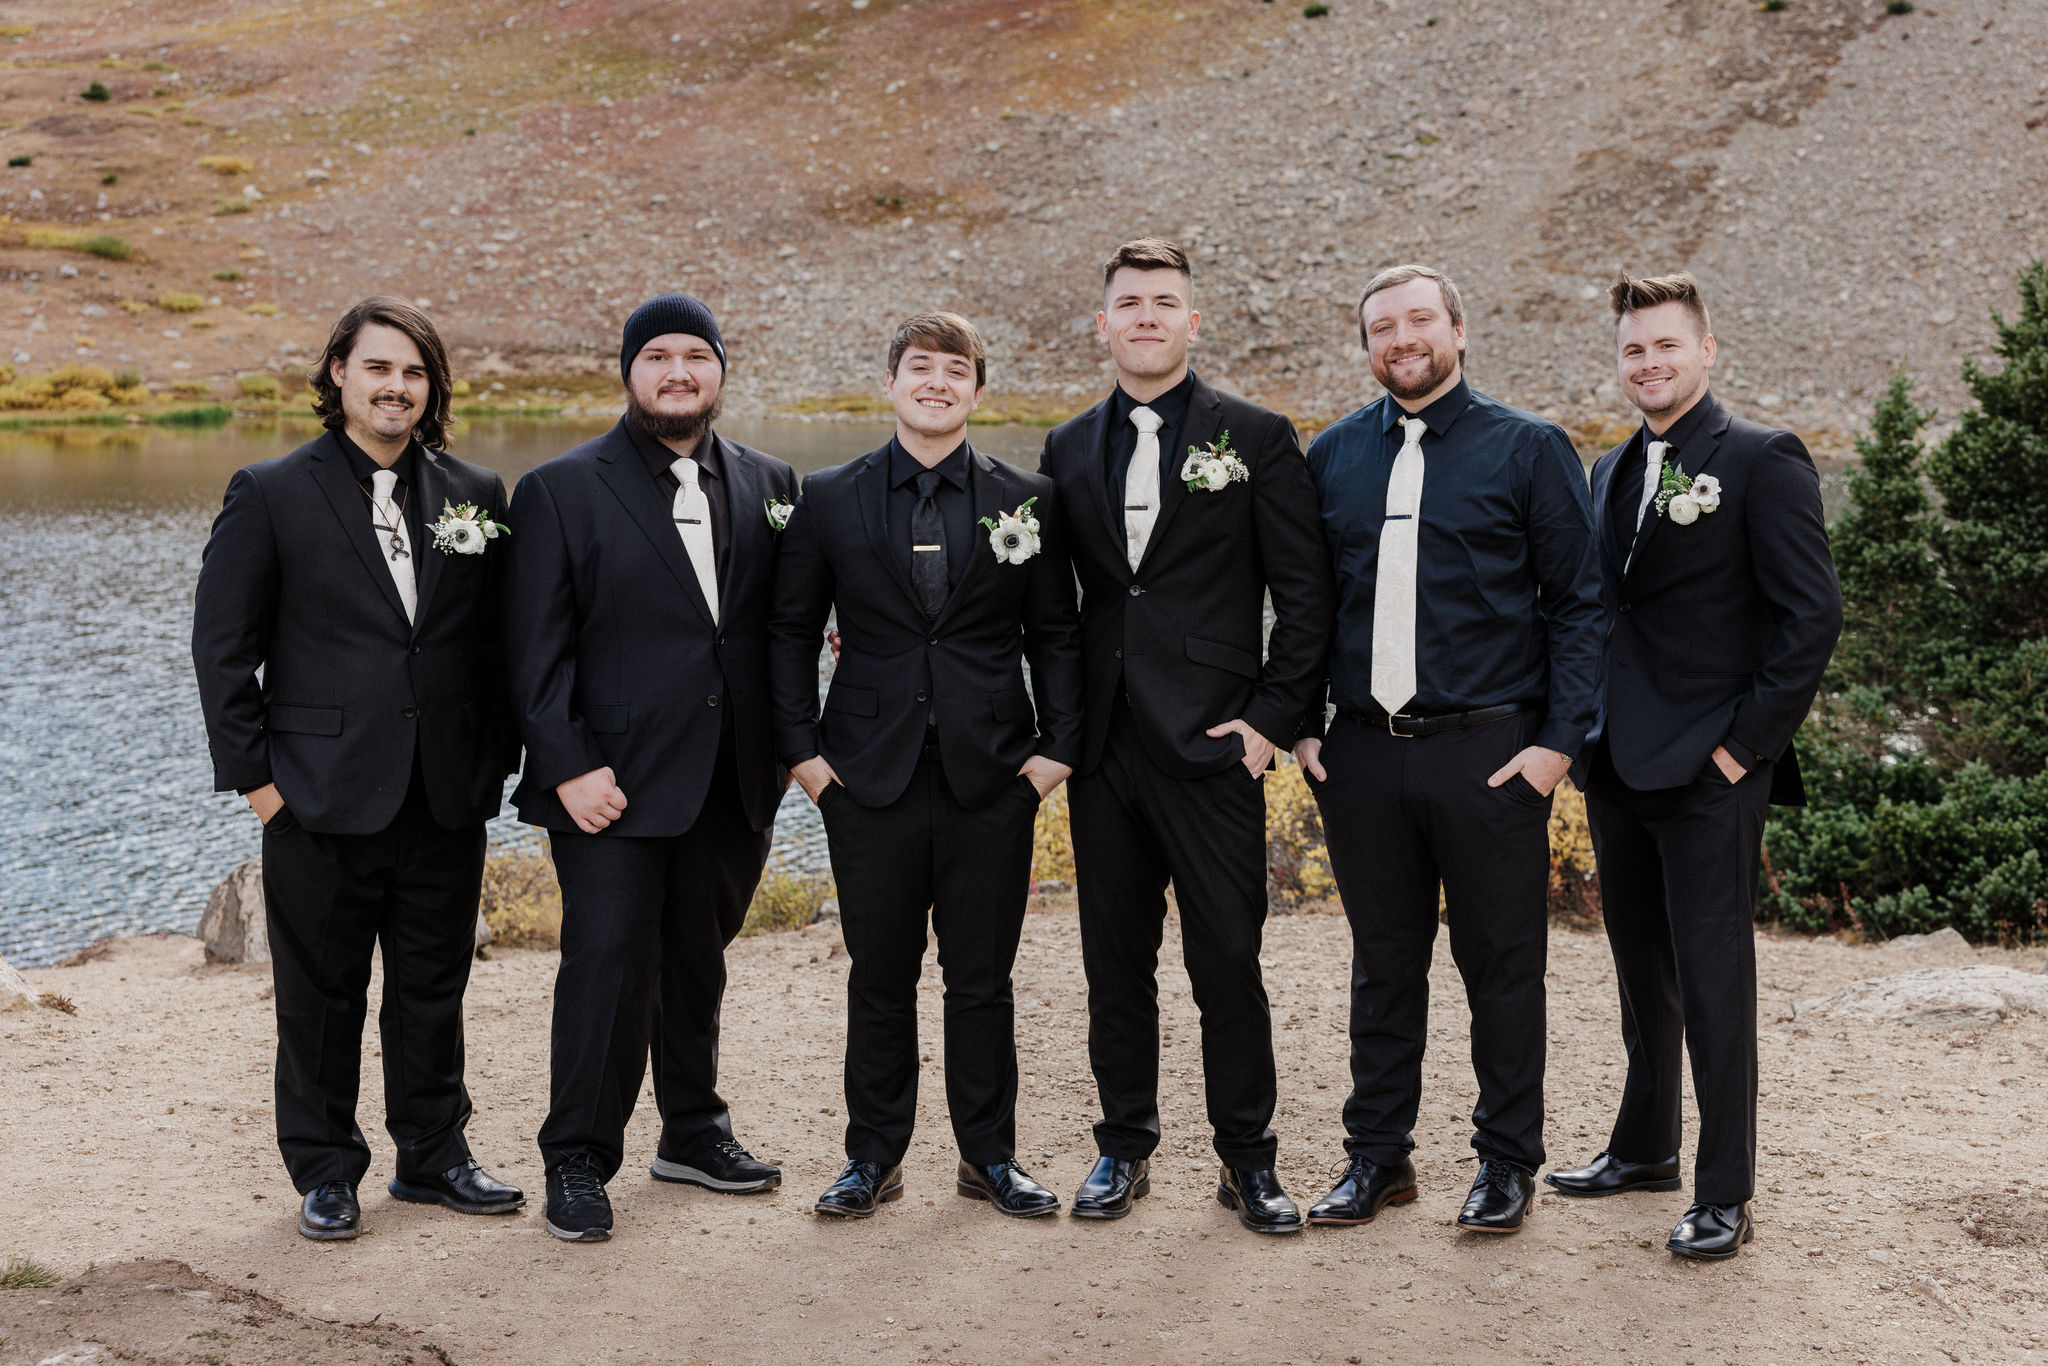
625	474
433	496
1093	434
746	517
1693	459
1203	424
984	486
871	486
345	496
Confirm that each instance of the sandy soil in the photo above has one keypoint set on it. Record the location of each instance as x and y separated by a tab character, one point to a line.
1901	1217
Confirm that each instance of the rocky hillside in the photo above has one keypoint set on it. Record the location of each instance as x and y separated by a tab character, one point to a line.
1855	187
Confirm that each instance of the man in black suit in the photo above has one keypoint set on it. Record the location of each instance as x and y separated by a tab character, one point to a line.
1463	670
1722	609
635	626
947	571
361	574
1176	554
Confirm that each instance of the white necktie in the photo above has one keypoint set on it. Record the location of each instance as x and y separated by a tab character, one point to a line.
1653	475
1393	600
1141	486
393	539
693	521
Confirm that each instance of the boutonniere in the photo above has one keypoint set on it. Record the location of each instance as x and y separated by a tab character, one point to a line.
1013	535
778	513
1213	467
462	530
1684	496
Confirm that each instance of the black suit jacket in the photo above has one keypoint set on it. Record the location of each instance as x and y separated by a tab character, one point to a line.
1717	632
294	582
897	666
1182	635
615	659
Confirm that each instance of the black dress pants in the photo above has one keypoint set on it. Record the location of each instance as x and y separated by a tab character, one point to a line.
330	902
1135	829
1678	878
645	924
1402	817
971	870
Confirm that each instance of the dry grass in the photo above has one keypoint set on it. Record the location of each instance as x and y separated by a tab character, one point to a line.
24	1273
786	900
50	1000
71	389
264	310
263	387
102	244
226	165
521	900
180	301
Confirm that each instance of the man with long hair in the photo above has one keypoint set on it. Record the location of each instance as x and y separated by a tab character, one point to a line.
635	626
361	575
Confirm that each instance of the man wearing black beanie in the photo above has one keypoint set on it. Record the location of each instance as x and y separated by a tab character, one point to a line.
636	603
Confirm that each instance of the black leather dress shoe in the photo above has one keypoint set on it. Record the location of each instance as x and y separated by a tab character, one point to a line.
1112	1187
1261	1203
1500	1198
329	1213
578	1209
1008	1187
1712	1233
467	1189
1365	1190
721	1165
861	1189
1609	1175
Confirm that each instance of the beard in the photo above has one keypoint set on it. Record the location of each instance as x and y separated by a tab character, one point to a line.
673	426
1674	397
1442	364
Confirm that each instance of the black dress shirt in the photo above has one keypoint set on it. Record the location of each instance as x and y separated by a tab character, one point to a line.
405	494
1626	493
956	507
710	478
1172	407
1507	606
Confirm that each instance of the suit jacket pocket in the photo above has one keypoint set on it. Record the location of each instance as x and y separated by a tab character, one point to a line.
605	718
1219	655
303	720
1012	705
852	701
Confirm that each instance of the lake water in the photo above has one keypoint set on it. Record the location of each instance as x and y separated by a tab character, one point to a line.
108	824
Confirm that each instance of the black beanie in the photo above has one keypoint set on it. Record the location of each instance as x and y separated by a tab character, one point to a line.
661	315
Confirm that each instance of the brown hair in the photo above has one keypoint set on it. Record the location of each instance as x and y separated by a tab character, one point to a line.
1454	302
1147	253
947	333
1631	296
390	311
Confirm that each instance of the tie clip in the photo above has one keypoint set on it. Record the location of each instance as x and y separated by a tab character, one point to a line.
1137	507
691	521
927	547
1400	517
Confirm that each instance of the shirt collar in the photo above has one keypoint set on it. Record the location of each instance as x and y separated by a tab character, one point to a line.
905	467
1439	415
1685	429
660	459
1171	406
363	467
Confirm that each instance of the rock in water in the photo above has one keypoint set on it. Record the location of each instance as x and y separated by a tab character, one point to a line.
1981	995
232	926
15	993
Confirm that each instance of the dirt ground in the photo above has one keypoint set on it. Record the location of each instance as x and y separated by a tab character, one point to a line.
1901	1216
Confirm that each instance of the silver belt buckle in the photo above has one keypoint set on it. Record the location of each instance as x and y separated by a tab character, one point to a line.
1392	716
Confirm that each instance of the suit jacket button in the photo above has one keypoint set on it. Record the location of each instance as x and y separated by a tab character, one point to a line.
415	649
721	642
411	712
1135	590
1624	607
711	701
1119	654
933	641
921	695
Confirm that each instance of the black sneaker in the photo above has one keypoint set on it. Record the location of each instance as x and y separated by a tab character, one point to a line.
720	1165
578	1211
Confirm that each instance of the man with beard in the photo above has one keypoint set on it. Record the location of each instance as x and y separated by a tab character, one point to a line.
1176	556
1722	611
1464	669
361	575
635	625
928	763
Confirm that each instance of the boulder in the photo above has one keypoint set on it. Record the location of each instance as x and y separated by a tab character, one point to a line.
1943	940
232	926
15	992
1979	995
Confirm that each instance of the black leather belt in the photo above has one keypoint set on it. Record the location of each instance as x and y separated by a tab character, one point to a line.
1409	727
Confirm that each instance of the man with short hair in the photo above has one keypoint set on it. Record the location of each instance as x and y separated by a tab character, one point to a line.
1187	507
1722	609
635	625
1464	670
361	575
948	572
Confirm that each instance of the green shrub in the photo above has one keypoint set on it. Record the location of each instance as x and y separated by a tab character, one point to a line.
180	301
786	900
208	415
227	273
22	1273
73	239
95	92
1898	6
259	386
1314	11
21	159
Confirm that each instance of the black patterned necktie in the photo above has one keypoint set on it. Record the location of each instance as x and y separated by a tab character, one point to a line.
928	547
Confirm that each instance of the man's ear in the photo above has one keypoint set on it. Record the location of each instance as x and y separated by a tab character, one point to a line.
1102	327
